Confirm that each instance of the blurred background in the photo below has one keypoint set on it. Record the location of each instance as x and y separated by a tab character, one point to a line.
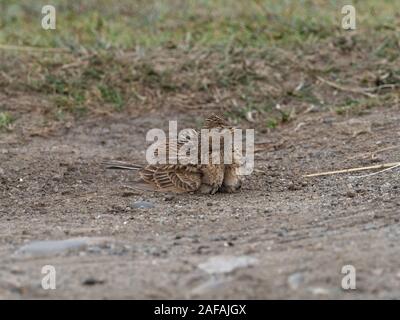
262	61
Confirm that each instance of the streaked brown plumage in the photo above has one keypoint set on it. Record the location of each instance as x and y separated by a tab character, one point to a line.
181	178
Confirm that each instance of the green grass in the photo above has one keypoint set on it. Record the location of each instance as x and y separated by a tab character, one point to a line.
125	24
238	56
112	95
359	106
271	123
6	121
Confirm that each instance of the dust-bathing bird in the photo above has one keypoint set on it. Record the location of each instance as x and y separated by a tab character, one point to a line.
198	177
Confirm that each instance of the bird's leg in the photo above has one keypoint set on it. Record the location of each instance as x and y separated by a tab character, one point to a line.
208	189
232	181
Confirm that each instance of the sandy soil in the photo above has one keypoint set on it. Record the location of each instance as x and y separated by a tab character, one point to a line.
298	231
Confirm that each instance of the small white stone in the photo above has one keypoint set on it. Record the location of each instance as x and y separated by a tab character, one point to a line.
319	291
226	264
295	280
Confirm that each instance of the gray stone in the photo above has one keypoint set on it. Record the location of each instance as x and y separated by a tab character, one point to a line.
142	205
226	264
52	247
319	291
211	285
91	281
295	280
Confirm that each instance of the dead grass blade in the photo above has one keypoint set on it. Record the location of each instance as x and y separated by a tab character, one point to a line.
386	166
348	89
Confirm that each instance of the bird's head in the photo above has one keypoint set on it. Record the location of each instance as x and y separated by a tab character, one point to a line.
215	121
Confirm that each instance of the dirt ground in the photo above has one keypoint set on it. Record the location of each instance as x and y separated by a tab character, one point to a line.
299	232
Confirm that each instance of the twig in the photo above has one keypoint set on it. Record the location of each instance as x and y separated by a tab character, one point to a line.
73	64
342	88
78	63
387	148
383	86
379	166
372	174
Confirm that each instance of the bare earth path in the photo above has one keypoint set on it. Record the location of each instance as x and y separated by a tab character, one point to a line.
296	232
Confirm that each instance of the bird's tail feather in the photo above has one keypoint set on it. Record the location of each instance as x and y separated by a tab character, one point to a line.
121	165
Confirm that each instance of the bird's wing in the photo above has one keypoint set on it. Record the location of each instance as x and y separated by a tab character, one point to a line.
175	178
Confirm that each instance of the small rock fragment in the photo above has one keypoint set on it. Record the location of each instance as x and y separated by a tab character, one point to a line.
226	264
142	205
295	280
92	281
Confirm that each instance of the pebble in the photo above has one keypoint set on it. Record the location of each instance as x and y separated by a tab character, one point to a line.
317	291
295	280
369	226
228	244
142	205
209	286
52	246
92	281
350	194
226	264
169	198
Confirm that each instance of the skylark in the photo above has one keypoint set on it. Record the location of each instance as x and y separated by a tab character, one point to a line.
186	177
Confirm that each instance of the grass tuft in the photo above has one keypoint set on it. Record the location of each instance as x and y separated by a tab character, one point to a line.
6	120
